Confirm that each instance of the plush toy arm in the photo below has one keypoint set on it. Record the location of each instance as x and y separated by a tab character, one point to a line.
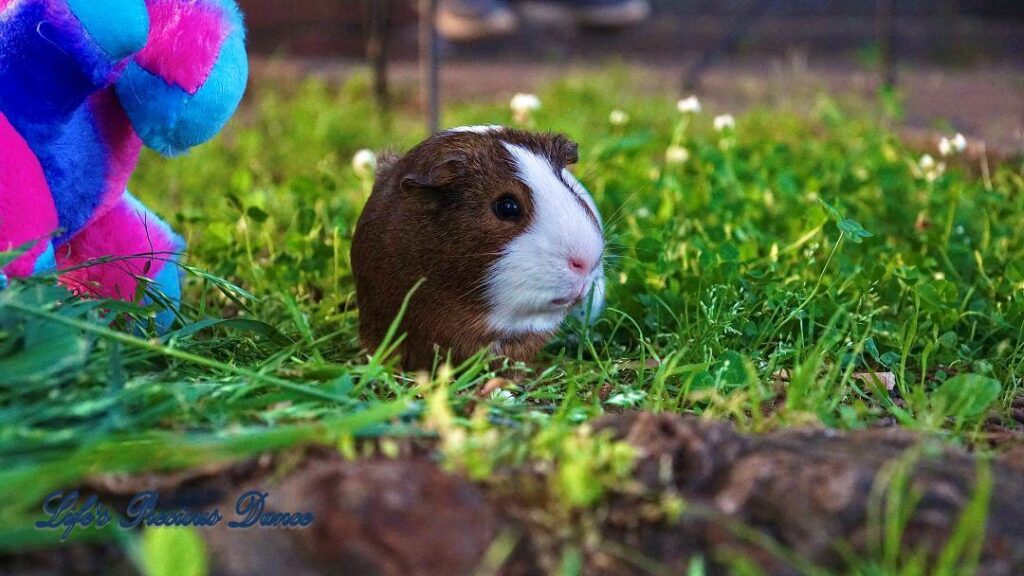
183	86
141	245
54	53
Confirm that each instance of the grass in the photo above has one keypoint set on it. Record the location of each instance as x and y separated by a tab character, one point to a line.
765	280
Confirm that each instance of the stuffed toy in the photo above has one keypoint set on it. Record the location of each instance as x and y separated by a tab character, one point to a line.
84	84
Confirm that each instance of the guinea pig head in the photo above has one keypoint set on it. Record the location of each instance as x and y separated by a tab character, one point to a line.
504	236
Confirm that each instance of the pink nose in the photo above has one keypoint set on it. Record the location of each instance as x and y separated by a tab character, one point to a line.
579	265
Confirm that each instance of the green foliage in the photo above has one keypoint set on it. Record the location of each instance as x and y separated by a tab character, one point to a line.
893	501
174	552
35	351
965	397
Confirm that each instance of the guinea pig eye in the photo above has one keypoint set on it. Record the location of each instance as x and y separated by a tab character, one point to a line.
507	208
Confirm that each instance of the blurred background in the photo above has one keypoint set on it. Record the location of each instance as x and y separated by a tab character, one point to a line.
958	64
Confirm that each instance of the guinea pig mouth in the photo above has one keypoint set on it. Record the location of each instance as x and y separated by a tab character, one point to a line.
568	301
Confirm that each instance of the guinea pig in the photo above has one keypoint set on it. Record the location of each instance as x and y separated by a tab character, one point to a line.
504	236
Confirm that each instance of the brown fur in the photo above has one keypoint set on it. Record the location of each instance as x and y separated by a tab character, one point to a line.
430	216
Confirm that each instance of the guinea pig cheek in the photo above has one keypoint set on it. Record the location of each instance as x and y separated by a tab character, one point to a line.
520	286
530	288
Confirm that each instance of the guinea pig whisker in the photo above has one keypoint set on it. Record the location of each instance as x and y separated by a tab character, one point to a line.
619	212
481	285
612	238
613	267
622	206
587	173
631	259
617	257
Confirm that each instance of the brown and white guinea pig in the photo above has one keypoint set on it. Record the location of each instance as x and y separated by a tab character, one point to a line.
506	238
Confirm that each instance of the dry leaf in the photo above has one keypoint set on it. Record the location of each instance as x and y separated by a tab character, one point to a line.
491	385
887	378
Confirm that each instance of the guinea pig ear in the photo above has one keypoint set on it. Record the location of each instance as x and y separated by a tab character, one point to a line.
436	175
567	151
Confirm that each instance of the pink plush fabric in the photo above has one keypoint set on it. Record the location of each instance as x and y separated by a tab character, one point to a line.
116	130
26	209
127	229
4	3
184	41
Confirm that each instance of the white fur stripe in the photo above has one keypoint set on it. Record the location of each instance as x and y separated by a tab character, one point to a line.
481	129
533	271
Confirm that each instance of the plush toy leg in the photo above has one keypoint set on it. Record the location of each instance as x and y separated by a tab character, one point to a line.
27	213
113	252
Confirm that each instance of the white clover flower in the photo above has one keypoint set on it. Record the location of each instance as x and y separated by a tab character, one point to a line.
945	146
503	396
364	162
618	118
930	169
523	105
724	122
690	105
527	102
954	145
933	175
627	398
676	155
959	142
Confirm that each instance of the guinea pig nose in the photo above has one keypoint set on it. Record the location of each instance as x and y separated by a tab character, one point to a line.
579	265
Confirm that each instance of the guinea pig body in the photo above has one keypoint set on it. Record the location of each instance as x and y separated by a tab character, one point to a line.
506	240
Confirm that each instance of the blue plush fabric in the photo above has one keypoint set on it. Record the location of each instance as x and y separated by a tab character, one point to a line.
47	261
47	65
167	118
119	36
168	283
74	160
168	280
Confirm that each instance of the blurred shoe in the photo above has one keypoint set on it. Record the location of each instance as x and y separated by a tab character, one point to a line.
463	20
589	13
